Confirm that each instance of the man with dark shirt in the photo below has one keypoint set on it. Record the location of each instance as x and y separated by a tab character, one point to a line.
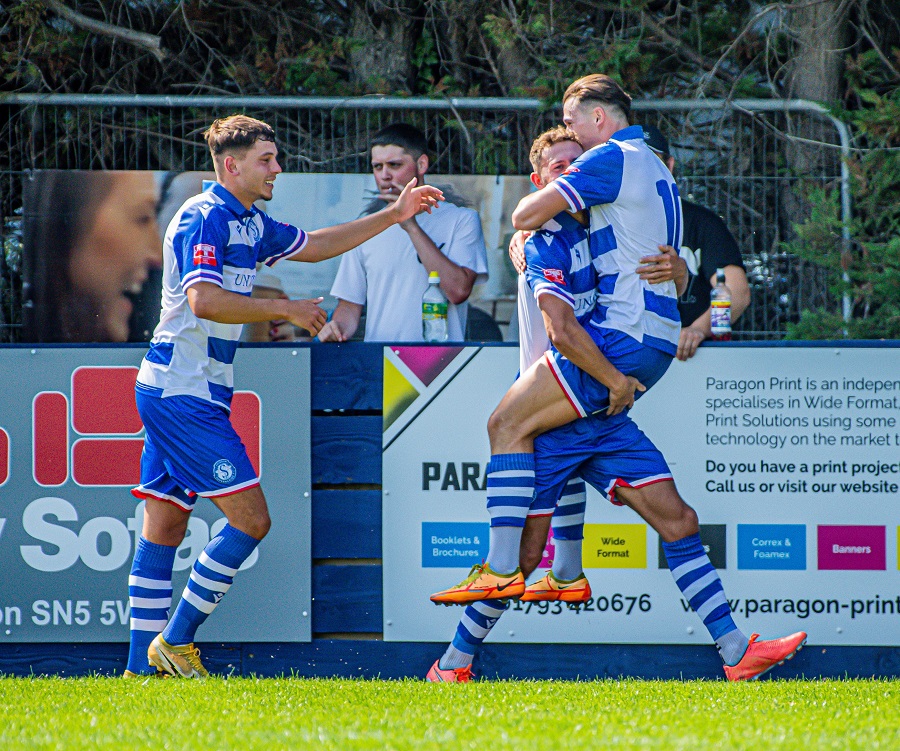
706	245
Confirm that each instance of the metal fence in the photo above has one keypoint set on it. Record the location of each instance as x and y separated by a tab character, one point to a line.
751	161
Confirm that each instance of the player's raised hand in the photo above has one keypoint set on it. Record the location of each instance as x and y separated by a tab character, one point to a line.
517	250
621	396
307	314
414	200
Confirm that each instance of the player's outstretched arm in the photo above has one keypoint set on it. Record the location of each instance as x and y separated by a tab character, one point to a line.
538	208
214	303
332	241
570	338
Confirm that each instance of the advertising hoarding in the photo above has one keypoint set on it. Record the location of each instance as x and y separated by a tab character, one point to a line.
70	444
790	455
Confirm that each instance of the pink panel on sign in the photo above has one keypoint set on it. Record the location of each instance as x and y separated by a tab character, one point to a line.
549	553
851	548
51	438
4	456
427	362
245	417
103	401
107	461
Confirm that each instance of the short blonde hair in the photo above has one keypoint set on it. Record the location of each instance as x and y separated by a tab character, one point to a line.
547	139
599	88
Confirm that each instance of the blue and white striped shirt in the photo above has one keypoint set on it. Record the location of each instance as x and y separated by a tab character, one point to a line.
558	258
635	207
212	238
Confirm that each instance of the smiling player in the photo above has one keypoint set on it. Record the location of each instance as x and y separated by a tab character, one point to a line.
185	383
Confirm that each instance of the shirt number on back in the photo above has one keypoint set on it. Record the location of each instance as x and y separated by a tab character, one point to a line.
672	206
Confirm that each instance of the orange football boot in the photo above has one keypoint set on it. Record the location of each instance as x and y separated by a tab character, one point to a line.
449	675
482	584
762	656
551	589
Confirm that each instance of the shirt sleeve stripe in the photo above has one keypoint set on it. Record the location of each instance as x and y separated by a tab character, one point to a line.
569	193
547	289
201	275
298	245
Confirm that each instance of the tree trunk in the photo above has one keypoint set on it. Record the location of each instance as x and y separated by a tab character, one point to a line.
816	73
384	33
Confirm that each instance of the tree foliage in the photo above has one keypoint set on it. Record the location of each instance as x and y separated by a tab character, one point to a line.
866	271
845	53
433	47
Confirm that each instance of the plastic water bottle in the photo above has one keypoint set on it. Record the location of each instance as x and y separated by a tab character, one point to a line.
434	311
720	309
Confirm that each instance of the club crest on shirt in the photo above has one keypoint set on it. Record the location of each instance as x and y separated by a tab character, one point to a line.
571	170
253	231
204	254
555	276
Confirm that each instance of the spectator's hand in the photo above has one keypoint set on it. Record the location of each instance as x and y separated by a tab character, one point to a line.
517	250
621	395
413	200
306	314
690	339
281	331
666	267
331	332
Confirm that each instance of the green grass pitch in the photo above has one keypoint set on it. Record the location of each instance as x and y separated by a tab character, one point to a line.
288	713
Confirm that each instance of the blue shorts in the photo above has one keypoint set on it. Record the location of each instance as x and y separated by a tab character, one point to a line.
607	452
588	396
190	449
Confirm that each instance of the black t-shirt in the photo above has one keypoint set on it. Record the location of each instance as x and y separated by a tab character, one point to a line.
707	238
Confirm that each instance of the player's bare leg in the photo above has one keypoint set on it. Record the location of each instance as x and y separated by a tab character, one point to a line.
164	523
534	404
662	508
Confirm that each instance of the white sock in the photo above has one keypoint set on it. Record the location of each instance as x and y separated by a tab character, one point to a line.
567	564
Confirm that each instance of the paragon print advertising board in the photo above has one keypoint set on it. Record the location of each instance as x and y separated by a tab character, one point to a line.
70	444
790	455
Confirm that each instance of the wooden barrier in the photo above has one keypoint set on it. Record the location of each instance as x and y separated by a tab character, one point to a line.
347	580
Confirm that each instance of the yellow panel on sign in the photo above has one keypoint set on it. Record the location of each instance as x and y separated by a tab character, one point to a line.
615	546
399	393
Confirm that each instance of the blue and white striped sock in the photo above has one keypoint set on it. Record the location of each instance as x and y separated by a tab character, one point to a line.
702	588
149	598
510	489
476	623
211	577
568	531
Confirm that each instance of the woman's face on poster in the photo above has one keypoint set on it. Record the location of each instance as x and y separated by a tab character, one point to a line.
111	259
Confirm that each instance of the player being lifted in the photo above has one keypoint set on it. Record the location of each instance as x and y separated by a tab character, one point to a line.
184	388
628	345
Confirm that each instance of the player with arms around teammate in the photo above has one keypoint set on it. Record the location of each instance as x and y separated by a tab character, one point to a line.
632	335
558	265
185	383
609	451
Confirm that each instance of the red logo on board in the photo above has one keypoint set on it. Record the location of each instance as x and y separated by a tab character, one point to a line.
107	447
204	254
555	276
